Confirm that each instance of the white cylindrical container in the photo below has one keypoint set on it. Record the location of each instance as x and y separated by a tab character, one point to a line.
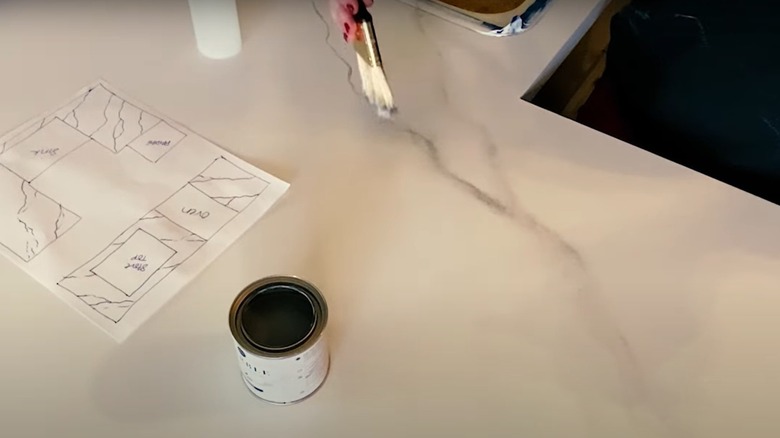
217	31
277	325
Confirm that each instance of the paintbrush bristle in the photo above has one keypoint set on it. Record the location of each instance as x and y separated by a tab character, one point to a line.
375	87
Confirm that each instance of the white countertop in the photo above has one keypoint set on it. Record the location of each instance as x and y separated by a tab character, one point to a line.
492	269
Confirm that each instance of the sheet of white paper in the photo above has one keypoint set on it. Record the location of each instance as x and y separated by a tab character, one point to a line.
115	208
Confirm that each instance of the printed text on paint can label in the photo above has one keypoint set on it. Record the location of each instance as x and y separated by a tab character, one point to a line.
285	380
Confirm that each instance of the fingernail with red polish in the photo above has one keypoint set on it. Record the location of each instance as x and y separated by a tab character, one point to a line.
345	36
346	27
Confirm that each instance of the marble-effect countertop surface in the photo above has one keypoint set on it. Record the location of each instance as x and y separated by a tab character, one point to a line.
492	269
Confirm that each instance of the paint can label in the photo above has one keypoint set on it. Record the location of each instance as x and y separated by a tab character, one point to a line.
288	379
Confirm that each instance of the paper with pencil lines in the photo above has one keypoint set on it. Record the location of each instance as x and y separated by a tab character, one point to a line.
115	208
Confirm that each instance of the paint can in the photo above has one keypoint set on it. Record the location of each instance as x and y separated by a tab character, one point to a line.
277	325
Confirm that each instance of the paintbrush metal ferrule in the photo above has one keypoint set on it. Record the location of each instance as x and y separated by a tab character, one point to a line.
366	43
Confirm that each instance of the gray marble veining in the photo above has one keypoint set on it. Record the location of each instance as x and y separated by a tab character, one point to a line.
572	262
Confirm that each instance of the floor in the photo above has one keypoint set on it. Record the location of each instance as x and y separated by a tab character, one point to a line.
578	92
572	84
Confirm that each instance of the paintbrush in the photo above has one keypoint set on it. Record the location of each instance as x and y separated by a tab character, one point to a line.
372	73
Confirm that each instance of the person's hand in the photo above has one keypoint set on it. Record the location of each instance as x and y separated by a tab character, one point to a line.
342	12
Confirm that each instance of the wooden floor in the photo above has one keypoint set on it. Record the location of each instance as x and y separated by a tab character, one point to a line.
570	86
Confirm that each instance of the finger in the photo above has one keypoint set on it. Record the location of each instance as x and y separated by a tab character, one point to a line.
368	3
336	7
350	6
347	23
